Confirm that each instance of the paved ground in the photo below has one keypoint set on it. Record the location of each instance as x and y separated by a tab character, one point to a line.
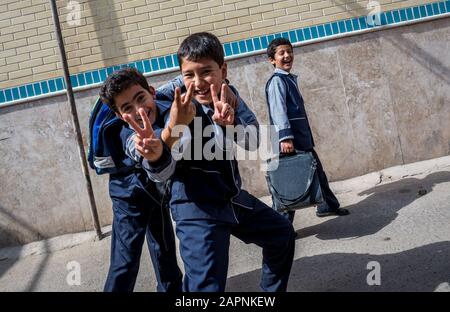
402	224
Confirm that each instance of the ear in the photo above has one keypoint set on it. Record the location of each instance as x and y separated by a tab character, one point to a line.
152	91
224	71
272	61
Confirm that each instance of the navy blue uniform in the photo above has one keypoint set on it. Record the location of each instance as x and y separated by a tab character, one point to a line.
208	205
138	212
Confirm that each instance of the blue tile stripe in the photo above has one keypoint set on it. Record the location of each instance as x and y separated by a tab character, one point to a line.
231	49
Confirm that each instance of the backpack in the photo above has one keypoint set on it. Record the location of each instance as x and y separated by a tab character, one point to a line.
105	152
294	182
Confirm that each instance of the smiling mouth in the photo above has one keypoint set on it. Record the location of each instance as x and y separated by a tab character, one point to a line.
139	119
202	93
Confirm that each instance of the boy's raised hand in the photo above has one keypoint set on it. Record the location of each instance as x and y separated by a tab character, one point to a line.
146	143
231	98
182	111
223	112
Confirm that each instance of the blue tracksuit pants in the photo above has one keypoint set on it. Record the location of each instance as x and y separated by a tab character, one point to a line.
204	246
135	218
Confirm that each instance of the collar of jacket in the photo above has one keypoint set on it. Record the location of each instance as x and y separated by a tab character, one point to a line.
280	71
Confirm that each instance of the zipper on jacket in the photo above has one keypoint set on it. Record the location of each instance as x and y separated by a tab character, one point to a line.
234	179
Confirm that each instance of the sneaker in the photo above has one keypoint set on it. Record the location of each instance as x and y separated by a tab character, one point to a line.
337	212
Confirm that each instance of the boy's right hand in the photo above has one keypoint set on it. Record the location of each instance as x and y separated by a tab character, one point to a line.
145	141
223	111
182	111
287	147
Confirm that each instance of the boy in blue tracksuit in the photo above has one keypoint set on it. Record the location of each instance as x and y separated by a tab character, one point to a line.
207	202
138	209
287	113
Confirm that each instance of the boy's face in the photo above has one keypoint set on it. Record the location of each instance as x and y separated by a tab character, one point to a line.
284	58
202	73
131	99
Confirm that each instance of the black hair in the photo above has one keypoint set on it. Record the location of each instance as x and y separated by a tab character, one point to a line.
272	48
201	45
119	81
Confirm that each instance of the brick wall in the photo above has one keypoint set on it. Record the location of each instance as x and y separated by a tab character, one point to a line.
112	32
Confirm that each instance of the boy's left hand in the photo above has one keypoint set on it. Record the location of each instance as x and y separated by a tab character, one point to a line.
223	111
231	98
146	143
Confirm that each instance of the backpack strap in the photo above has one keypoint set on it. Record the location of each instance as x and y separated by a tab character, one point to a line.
92	136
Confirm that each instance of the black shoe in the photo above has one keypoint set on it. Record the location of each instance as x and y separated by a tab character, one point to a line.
337	212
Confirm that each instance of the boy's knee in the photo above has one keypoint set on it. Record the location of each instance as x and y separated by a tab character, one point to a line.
286	233
289	233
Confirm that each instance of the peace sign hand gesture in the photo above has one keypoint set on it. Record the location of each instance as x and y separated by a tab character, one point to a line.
223	112
145	141
182	111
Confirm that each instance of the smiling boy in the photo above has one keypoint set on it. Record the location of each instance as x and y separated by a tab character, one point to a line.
288	114
207	202
138	209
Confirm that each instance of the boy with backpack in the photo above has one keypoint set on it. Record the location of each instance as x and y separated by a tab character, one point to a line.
287	112
139	204
139	209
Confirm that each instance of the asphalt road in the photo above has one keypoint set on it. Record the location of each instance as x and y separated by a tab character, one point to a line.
397	238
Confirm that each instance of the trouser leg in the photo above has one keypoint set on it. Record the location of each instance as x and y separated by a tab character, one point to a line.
128	233
204	248
161	244
330	199
268	229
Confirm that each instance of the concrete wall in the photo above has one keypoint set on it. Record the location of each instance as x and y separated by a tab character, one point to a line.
374	101
102	33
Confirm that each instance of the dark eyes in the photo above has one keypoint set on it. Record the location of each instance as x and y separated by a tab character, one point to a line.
203	73
126	109
281	52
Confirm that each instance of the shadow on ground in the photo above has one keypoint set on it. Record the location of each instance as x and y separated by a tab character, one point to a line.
5	262
421	269
377	210
12	231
